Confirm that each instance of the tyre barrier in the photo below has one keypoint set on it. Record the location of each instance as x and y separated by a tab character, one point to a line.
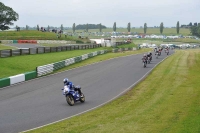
55	42
49	68
7	41
27	41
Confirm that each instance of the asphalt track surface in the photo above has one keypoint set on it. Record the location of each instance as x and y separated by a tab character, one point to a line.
40	101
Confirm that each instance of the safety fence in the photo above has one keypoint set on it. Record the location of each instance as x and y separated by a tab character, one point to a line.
46	69
38	41
41	50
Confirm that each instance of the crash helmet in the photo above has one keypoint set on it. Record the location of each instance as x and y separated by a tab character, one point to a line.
65	81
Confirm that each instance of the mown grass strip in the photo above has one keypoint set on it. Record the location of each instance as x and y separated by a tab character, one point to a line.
167	101
2	47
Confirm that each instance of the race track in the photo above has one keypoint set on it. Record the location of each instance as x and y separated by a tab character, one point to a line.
40	101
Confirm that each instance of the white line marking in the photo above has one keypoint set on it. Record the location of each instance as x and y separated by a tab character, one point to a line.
102	103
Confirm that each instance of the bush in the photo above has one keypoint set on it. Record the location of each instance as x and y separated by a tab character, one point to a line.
0	41
78	41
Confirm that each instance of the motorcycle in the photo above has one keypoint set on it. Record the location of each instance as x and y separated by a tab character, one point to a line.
149	60
167	51
73	96
144	63
156	55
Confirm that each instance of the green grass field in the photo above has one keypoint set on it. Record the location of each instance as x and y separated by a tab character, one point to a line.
34	35
167	101
2	47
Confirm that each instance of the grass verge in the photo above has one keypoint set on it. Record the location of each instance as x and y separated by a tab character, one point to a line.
166	102
2	47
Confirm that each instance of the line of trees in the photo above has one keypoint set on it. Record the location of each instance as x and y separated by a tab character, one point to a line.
195	30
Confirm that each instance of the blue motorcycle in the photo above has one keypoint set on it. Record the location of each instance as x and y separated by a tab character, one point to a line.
74	95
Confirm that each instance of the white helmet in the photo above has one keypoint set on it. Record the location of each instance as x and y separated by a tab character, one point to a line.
65	80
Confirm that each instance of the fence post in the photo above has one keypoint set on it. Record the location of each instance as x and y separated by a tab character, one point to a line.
37	50
29	51
20	51
10	52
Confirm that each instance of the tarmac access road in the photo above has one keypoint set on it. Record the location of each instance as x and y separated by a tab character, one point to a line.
40	101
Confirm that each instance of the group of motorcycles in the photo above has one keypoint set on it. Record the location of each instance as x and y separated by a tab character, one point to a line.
158	51
146	60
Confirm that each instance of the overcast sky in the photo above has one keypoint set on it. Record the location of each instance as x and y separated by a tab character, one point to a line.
106	12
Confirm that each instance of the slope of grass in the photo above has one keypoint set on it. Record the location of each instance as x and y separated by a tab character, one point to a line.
34	35
167	101
2	47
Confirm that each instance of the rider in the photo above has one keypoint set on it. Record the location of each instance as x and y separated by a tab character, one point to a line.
156	51
70	85
145	58
149	55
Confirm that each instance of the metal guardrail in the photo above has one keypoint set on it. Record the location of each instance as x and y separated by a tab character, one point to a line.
41	50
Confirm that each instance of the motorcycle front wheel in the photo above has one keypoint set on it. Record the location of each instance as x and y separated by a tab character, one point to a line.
82	99
70	100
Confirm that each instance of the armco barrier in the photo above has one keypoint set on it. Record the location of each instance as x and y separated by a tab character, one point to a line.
4	82
6	41
40	50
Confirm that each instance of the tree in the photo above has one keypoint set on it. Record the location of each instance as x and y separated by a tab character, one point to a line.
177	27
161	28
100	28
48	28
61	27
7	16
73	27
38	28
114	26
26	27
145	28
129	27
190	24
86	27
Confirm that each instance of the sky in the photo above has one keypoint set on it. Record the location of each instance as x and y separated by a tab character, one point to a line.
106	12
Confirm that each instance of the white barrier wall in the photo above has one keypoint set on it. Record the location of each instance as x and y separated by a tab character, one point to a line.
17	78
